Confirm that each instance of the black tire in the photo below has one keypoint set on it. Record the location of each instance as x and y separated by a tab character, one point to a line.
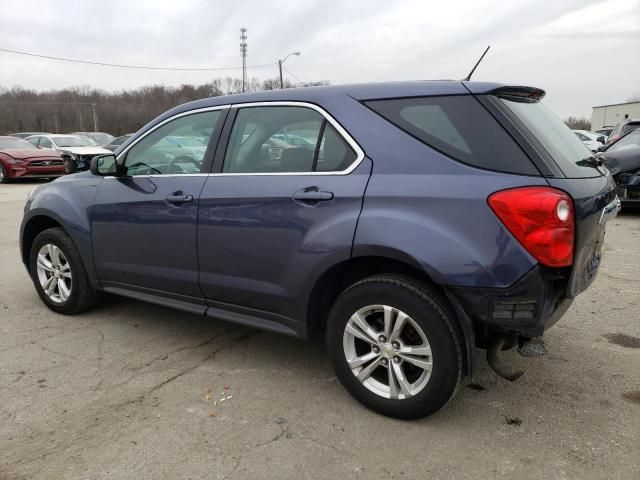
4	176
70	165
82	296
429	311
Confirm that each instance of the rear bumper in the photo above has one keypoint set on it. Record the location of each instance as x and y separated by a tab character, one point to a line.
628	188
530	306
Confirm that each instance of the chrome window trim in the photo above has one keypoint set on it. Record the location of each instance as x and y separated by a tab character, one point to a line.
164	122
341	131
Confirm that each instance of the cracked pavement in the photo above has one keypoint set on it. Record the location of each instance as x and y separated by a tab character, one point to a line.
121	392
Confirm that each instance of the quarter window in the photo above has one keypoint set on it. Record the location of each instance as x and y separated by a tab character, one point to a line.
178	147
285	139
459	127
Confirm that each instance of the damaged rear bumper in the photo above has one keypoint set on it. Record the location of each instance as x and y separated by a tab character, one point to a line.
628	188
527	308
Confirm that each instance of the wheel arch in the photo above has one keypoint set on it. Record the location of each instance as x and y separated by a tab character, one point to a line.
31	229
338	277
39	220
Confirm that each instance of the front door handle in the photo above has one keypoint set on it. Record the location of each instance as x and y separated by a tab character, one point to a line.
312	195
177	198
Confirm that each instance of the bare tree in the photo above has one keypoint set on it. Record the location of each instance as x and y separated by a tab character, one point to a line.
634	98
125	111
575	123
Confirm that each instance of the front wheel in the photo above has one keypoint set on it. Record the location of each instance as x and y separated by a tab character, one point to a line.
4	176
59	274
393	346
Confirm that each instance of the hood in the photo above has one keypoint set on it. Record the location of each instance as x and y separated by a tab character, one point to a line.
20	154
86	150
622	161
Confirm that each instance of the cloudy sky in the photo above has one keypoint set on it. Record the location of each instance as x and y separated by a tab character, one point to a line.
582	52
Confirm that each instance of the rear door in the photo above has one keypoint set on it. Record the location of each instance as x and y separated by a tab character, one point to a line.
281	207
144	224
579	174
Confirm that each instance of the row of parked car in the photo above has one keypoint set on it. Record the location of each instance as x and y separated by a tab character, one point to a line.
597	140
48	155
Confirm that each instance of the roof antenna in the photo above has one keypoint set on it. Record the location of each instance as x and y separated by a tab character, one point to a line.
468	77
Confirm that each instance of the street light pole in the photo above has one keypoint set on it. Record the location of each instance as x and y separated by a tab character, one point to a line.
95	117
280	62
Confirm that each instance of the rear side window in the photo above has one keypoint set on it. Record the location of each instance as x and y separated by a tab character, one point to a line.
285	139
459	127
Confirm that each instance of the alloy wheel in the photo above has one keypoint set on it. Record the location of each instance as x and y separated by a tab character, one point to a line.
387	352
54	273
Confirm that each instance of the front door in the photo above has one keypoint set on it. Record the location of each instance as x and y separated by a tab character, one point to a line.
144	223
281	209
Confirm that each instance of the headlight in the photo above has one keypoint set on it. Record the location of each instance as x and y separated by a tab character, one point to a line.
15	161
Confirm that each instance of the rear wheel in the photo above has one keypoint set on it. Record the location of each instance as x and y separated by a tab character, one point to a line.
393	346
59	274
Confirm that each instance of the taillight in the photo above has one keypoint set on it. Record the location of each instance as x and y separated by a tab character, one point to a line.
541	219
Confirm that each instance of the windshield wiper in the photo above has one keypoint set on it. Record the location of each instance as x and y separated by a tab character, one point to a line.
591	161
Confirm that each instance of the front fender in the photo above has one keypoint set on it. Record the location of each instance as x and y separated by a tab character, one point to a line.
67	201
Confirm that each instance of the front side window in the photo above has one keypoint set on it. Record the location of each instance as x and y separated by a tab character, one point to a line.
45	143
285	139
178	147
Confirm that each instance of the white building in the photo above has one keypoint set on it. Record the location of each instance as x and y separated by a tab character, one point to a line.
610	115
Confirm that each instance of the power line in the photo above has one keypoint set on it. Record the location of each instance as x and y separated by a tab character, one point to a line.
140	67
20	102
289	72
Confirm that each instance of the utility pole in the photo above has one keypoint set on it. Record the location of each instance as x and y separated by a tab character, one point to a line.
243	54
95	117
280	62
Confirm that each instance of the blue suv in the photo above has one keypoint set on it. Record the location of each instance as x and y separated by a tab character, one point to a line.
409	223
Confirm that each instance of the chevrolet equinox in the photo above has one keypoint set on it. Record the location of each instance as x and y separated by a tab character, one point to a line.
409	223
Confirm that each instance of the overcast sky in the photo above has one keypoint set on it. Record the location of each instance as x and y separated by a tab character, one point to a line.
582	52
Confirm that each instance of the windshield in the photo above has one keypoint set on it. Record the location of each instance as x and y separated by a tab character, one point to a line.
101	138
632	140
557	139
70	141
119	140
16	144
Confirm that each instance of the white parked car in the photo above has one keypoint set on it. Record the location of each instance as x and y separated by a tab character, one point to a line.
591	140
605	132
74	148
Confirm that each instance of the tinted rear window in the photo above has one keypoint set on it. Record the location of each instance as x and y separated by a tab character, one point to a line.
554	135
459	127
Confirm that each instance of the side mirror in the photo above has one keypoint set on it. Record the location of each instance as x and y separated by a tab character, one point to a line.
103	165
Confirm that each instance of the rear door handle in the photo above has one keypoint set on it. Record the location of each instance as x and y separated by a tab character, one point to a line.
177	198
312	195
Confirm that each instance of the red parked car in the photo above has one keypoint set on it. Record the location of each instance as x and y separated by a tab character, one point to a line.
20	159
